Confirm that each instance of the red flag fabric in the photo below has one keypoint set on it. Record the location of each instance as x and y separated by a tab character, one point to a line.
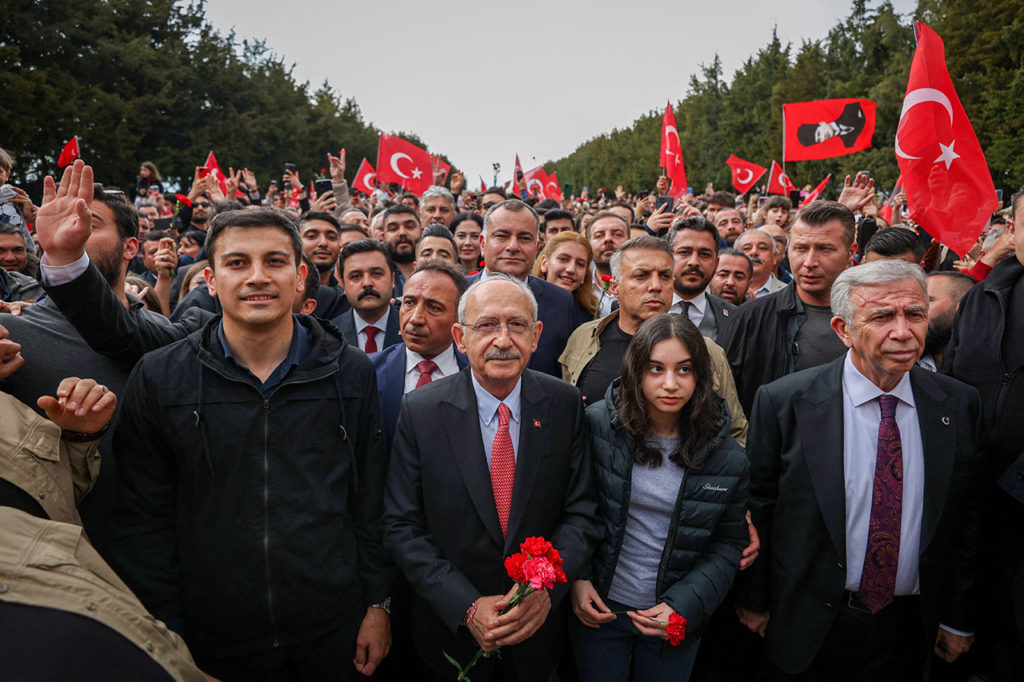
947	181
778	181
536	180
69	153
366	178
826	128
816	194
518	172
886	211
552	190
214	167
404	163
745	174
483	185
670	147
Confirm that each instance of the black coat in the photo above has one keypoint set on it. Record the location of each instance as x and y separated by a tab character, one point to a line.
255	519
707	537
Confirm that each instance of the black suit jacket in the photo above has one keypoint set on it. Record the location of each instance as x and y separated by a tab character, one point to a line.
798	505
442	526
557	309
346	323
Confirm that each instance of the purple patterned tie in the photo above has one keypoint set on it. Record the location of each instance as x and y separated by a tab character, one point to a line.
878	579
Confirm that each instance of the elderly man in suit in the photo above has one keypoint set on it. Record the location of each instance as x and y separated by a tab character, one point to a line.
863	475
481	461
509	245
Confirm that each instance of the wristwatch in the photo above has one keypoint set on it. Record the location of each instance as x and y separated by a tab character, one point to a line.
386	605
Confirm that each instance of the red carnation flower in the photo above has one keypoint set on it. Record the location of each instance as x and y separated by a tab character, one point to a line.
535	546
514	567
675	629
182	199
606	278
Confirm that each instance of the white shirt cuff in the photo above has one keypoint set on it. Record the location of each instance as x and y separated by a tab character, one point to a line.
55	275
961	633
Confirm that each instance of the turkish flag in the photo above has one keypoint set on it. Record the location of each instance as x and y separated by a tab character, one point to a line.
816	194
518	172
552	190
483	185
826	128
536	180
886	211
403	163
214	168
745	174
670	148
778	181
947	181
69	153
366	178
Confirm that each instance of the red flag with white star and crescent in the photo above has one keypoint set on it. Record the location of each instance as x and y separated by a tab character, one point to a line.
366	178
778	181
403	163
945	176
745	174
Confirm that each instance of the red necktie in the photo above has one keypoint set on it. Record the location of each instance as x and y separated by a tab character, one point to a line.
426	368
878	579
503	467
371	339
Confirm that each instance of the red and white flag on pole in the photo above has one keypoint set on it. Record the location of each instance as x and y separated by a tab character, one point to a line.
745	174
483	185
403	163
366	178
816	193
552	190
536	180
945	175
778	181
214	168
69	153
672	153
826	128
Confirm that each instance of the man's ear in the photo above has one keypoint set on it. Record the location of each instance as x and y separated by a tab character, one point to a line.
842	330
458	335
308	306
131	248
211	281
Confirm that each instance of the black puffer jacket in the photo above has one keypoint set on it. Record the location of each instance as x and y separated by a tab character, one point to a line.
702	551
257	520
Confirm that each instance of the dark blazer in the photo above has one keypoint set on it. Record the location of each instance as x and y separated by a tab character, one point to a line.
722	311
346	323
557	309
442	527
797	502
390	366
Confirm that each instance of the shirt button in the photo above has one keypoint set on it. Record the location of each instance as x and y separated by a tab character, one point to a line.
828	604
149	646
42	496
91	606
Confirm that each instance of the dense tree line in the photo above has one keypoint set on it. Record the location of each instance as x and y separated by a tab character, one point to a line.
866	55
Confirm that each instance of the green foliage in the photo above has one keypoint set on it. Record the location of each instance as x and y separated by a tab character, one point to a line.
152	80
866	55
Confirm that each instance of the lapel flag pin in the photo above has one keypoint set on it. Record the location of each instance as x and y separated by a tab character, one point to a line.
536	423
945	420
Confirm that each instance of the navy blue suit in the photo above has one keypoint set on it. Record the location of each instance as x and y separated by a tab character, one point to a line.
346	323
390	366
557	309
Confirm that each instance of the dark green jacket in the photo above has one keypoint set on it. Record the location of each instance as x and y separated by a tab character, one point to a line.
702	551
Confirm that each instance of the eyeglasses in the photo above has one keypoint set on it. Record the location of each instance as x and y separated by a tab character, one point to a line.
493	327
203	204
490	204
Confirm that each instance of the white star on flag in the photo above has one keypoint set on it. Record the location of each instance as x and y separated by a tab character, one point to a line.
416	173
947	154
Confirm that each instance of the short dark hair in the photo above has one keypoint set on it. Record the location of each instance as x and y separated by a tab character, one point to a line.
722	199
623	204
352	227
600	215
778	201
695	223
410	195
730	251
312	278
439	230
467	215
364	246
557	214
397	209
125	217
495	190
513	205
817	213
959	282
444	267
319	215
157	235
257	217
892	242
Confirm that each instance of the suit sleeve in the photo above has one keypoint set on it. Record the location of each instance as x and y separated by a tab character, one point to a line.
145	555
108	327
436	579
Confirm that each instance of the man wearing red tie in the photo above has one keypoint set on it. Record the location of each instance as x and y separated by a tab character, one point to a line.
482	460
864	490
367	274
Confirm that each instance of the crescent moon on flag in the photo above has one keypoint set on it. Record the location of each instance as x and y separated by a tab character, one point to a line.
534	182
784	180
369	178
750	175
394	163
920	96
671	130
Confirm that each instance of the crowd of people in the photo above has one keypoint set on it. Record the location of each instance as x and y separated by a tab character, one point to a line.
273	434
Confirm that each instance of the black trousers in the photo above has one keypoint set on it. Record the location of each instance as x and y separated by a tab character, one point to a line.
888	646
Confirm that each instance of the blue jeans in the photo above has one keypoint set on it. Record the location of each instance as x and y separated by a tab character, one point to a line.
608	653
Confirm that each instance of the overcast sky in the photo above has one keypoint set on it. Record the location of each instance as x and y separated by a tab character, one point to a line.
482	80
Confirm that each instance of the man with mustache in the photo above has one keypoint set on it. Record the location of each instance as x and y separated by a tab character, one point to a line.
482	460
761	249
367	276
694	243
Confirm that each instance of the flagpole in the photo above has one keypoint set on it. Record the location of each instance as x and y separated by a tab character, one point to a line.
784	139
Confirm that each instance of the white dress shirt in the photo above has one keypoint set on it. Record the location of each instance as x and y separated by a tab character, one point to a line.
861	418
698	306
765	288
55	275
381	324
445	361
487	407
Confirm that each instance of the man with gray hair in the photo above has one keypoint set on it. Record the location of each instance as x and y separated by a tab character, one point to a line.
503	450
863	489
763	252
437	205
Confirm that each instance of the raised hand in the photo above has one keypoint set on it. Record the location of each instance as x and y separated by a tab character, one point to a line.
231	181
858	194
337	166
80	405
64	222
439	173
458	182
662	185
10	355
323	203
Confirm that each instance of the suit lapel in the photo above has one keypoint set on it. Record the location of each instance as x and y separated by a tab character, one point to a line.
533	415
819	417
392	384
347	327
462	424
938	440
392	334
